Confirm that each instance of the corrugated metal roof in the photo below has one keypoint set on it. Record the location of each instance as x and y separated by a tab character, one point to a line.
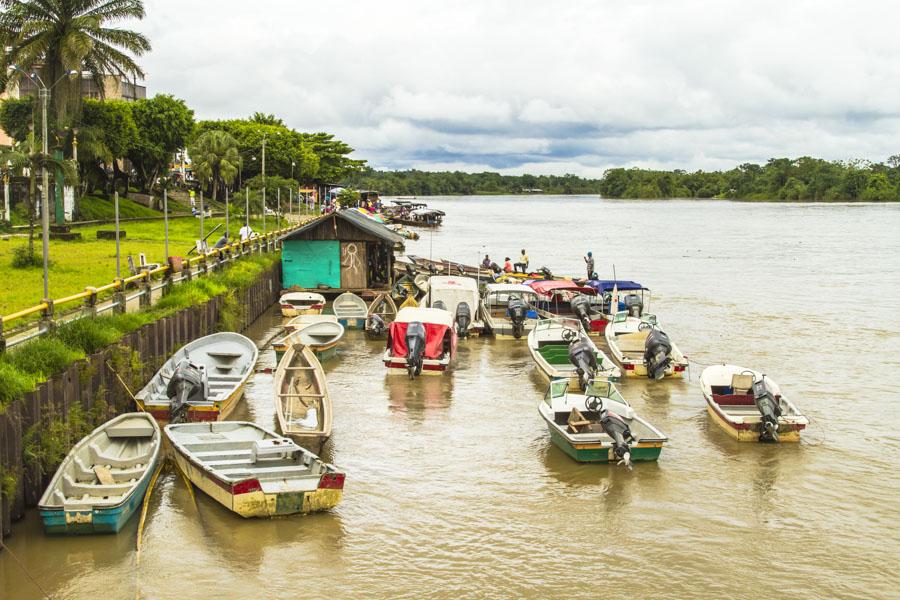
354	217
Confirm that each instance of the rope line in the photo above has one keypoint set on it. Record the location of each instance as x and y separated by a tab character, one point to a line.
24	570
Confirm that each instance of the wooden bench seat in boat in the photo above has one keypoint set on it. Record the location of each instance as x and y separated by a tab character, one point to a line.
130	428
98	457
85	473
632	342
252	470
72	488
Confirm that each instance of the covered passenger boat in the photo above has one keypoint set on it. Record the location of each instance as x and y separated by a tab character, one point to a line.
643	349
561	350
508	309
563	298
350	310
252	471
458	296
420	340
203	381
749	406
616	295
301	303
599	425
102	481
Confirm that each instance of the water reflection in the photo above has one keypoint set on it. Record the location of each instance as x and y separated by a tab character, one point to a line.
415	396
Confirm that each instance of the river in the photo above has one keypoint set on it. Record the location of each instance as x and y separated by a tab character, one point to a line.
454	489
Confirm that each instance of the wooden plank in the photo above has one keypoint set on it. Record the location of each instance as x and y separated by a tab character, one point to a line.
104	475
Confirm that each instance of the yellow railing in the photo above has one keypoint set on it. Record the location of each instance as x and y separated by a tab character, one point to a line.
243	247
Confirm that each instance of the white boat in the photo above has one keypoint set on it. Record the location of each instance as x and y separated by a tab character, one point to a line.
495	309
579	427
550	343
302	403
321	333
224	360
432	354
252	471
382	312
350	310
459	296
301	303
101	482
627	340
731	393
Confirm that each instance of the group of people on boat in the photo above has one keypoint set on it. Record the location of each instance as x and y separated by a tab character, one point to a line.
508	266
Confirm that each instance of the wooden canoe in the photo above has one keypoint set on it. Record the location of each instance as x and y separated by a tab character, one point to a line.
102	481
302	403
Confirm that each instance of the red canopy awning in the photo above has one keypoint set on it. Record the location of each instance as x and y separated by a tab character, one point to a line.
434	339
546	287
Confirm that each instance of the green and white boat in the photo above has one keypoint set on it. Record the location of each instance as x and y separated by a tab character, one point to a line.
578	424
548	343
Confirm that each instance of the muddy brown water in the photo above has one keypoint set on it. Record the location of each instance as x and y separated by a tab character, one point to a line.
454	489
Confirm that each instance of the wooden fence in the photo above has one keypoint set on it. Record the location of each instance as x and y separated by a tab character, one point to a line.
88	393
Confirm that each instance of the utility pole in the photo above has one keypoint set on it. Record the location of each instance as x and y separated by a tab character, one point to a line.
44	93
264	181
166	218
201	214
247	206
118	255
6	214
226	213
278	206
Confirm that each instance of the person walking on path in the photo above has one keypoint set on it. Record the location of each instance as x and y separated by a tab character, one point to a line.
523	262
589	262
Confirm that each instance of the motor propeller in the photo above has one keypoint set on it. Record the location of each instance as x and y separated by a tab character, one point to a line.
657	352
616	428
517	311
463	319
187	385
769	408
584	359
415	348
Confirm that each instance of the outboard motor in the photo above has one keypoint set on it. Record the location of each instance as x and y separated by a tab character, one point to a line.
187	385
439	304
768	407
376	325
415	348
496	268
463	319
517	311
657	349
545	273
581	306
615	427
582	356
634	305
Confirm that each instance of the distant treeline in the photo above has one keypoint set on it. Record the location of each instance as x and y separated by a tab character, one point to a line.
446	183
805	178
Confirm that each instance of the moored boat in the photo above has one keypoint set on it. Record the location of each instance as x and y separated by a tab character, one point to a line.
202	381
749	406
350	310
102	481
598	426
561	350
321	333
420	340
459	296
508	310
302	403
642	348
252	471
564	298
381	313
301	303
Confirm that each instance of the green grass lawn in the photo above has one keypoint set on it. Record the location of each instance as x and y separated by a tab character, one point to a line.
95	208
92	262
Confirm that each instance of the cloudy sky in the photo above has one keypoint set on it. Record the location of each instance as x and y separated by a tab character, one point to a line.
554	87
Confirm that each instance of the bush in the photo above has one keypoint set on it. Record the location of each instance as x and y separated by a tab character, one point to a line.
89	335
24	257
13	383
43	357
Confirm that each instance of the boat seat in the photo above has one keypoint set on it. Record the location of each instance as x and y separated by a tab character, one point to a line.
733	399
253	470
225	355
74	488
99	458
576	421
133	428
741	383
223	453
632	342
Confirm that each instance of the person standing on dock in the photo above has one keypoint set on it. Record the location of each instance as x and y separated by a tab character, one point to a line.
486	263
523	262
589	262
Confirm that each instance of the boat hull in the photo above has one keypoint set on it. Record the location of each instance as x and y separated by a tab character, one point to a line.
217	411
353	322
259	504
639	369
596	452
746	432
296	312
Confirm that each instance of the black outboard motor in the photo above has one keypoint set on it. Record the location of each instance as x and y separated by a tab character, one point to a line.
581	306
582	356
463	319
496	268
375	325
517	311
615	427
415	348
768	407
657	350
545	273
634	305
439	304
187	385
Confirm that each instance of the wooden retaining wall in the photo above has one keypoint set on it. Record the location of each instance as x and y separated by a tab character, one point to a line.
93	386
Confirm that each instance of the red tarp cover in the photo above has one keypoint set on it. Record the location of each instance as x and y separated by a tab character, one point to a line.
434	339
546	287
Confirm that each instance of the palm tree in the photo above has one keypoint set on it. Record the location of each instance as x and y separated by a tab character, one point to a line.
59	36
215	157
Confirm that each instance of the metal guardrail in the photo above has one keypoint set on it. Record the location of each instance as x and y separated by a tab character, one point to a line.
143	283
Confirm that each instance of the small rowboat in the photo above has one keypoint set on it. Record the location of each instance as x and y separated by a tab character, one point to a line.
549	344
102	481
382	308
321	333
579	427
225	361
254	472
736	399
301	303
302	403
350	310
627	340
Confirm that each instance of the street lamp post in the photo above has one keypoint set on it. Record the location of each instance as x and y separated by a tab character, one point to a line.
6	173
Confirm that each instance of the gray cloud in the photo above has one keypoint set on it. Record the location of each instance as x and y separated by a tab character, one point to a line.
575	86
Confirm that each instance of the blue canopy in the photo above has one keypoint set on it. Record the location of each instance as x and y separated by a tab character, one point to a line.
606	285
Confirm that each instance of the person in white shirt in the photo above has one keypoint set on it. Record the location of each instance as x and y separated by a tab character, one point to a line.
245	232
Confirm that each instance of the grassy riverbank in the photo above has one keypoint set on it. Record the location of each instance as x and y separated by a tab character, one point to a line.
92	262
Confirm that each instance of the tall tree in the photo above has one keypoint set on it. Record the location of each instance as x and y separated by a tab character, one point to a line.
58	36
163	126
215	158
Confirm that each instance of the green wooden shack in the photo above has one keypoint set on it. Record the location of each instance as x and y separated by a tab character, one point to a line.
341	251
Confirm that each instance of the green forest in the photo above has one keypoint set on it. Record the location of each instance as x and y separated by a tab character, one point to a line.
785	179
